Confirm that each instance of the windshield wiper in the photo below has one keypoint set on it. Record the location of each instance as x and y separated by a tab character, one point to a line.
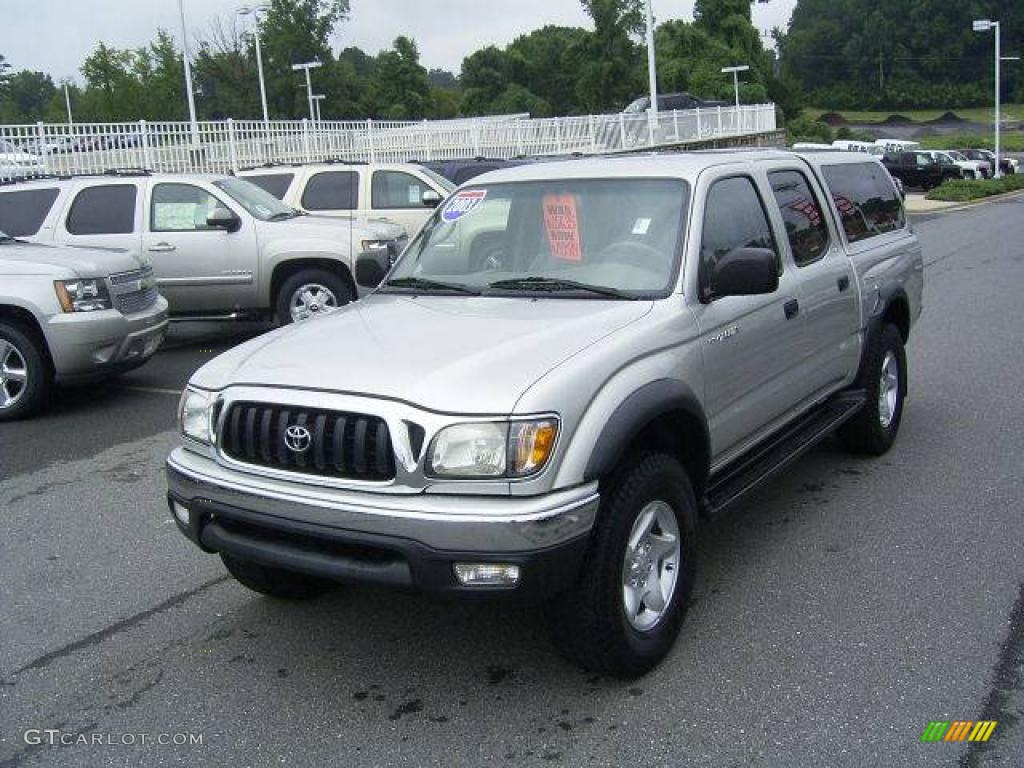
554	284
423	284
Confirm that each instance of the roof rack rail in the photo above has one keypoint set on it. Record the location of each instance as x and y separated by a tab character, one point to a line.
126	172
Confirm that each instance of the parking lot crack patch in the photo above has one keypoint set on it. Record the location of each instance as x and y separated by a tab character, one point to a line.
1007	683
117	627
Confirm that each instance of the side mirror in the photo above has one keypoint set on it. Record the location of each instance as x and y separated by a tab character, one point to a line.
431	199
222	218
745	272
372	267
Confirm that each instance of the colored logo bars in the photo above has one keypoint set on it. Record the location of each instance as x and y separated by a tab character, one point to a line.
958	730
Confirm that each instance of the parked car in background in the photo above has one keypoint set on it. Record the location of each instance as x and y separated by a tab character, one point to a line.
1007	165
986	161
16	163
458	172
919	170
668	102
969	169
403	194
554	425
71	315
981	168
221	248
867	147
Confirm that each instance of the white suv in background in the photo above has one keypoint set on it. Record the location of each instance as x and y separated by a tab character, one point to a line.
398	193
221	247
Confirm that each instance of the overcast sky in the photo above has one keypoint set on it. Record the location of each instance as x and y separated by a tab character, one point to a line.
55	36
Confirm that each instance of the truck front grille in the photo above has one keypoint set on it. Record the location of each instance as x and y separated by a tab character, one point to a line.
136	301
134	291
309	441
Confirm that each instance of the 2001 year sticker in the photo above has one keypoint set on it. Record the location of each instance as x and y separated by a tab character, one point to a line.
463	204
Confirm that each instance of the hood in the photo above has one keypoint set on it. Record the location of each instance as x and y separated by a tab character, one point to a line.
81	262
332	227
469	355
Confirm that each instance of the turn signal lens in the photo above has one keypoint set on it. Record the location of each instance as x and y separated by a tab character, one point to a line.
530	445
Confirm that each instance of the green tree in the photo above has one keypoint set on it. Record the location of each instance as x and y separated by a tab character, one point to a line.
485	76
399	83
27	97
609	72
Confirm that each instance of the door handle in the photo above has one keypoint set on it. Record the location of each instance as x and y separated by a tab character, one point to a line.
792	308
843	282
161	248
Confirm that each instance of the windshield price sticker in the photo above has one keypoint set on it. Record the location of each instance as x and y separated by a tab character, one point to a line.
463	204
562	225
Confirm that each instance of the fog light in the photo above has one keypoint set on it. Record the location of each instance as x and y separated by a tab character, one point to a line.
487	574
180	512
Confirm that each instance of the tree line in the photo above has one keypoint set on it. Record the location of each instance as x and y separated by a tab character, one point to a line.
550	71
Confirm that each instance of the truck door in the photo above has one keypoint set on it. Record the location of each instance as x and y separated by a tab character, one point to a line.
751	344
829	308
397	196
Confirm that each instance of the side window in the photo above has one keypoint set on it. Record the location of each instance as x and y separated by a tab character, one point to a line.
802	215
734	217
395	189
275	183
866	199
103	210
332	191
23	212
180	208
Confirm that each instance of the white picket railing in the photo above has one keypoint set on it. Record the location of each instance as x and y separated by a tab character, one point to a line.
46	149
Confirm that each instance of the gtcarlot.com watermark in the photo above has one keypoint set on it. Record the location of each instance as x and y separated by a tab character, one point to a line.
55	737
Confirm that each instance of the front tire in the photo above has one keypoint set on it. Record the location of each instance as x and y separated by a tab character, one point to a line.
25	374
308	293
275	582
873	430
625	609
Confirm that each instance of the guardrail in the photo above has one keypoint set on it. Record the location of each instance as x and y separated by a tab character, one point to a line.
229	145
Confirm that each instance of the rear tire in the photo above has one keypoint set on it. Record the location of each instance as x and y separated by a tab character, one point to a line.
275	582
594	623
873	430
310	292
25	373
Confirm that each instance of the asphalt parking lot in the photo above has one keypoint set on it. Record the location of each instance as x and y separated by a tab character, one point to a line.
836	613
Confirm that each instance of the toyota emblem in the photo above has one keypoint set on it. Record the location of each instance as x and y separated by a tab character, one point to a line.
298	439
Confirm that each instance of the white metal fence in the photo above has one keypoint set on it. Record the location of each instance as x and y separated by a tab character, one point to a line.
229	145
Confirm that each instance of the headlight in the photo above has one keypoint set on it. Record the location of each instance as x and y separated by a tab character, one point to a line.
374	245
82	295
195	415
492	449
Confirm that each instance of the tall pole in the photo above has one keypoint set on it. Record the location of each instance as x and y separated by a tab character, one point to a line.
736	87
309	83
997	172
652	76
67	103
254	10
188	77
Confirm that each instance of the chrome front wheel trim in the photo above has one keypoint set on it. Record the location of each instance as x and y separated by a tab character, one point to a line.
651	565
888	389
13	375
310	300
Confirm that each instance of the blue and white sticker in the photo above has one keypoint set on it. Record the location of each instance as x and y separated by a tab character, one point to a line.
463	204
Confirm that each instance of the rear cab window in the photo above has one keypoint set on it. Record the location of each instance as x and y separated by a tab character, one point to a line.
866	198
107	209
276	184
23	211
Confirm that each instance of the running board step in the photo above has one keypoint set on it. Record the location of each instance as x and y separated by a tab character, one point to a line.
746	473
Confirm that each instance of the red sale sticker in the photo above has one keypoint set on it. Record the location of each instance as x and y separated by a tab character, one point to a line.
561	223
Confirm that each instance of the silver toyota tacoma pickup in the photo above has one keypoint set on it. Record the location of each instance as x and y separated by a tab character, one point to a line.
644	342
71	315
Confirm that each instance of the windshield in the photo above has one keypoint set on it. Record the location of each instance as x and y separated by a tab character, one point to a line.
256	201
592	238
438	179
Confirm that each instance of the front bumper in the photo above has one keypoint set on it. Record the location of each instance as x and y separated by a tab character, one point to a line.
86	346
405	541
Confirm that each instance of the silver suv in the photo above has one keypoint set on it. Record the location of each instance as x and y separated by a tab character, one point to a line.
642	341
71	315
220	246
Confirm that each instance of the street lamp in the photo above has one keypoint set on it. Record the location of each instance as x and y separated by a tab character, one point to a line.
736	79
984	25
188	77
306	66
317	98
254	10
67	102
652	75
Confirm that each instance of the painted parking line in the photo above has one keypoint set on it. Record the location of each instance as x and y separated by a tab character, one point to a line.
151	390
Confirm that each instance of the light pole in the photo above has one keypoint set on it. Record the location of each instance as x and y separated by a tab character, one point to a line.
317	98
736	80
254	10
306	66
67	103
652	75
188	77
984	25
